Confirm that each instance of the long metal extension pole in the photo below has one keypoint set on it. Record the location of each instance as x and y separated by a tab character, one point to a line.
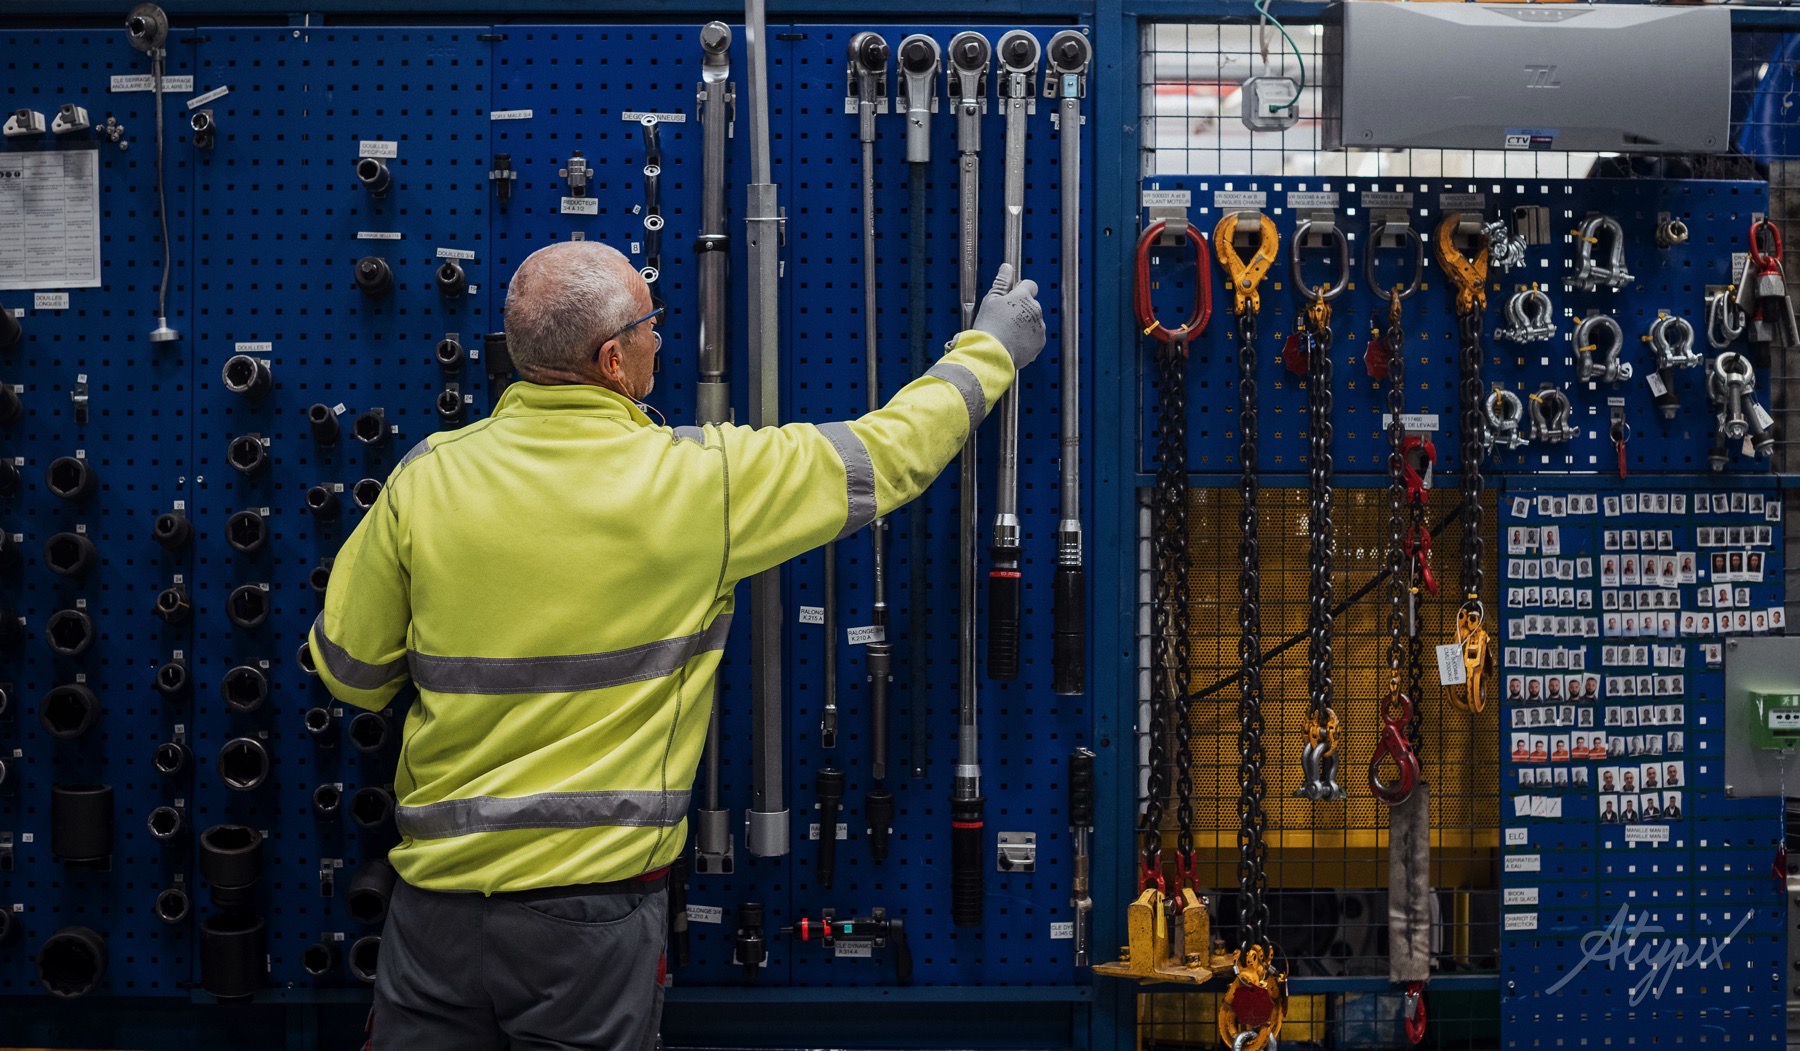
767	826
1065	79
969	57
712	826
1018	51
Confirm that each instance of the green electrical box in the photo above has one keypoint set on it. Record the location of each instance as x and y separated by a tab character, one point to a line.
1777	724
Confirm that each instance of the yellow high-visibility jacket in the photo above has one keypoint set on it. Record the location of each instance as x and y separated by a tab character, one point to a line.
557	582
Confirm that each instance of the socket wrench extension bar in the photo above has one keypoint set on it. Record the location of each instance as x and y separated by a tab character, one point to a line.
1065	79
967	83
1018	53
766	826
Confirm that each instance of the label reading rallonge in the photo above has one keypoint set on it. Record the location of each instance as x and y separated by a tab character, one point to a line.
1240	200
1462	202
1524	863
812	831
1388	200
1328	201
1521	895
581	206
50	301
1167	198
375	148
705	914
1521	921
864	635
812	614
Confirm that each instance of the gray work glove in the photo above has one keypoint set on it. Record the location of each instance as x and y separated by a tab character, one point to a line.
1011	314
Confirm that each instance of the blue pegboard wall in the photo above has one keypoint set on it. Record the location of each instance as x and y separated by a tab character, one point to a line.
1698	950
1674	280
267	227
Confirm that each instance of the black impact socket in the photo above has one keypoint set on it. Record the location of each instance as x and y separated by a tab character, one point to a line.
9	479
449	354
167	824
7	692
243	764
68	711
173	906
69	632
11	332
370	428
70	555
365	954
81	823
231	860
321	726
452	283
172	680
829	783
371	887
248	377
248	455
366	492
10	928
327	802
878	809
322	501
450	409
233	955
173	531
248	605
372	808
370	732
373	278
247	532
319	577
71	962
70	478
324	423
245	688
12	410
12	553
374	175
751	946
319	959
173	606
304	658
171	758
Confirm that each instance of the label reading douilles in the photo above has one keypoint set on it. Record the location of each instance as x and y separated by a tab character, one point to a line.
864	635
1462	202
581	206
812	614
1517	896
255	348
1521	921
1388	200
1451	670
1524	863
1167	198
854	950
1240	200
374	148
1328	201
50	300
1062	932
455	253
705	914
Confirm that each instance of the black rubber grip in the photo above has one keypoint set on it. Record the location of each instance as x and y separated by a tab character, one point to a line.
1004	614
966	834
1068	662
830	785
1081	788
903	967
878	809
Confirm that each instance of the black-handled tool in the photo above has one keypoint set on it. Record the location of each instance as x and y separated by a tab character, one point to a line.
876	930
830	786
966	860
878	809
752	950
1081	828
1065	79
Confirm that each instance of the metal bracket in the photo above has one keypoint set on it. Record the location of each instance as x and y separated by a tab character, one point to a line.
1017	852
1395	222
1323	231
78	396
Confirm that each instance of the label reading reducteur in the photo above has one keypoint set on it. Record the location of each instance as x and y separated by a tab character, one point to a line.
581	206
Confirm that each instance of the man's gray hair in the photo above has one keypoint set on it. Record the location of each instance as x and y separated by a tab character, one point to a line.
563	299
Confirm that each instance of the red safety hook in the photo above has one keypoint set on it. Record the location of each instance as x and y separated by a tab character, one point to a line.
1416	453
1418	551
1415	1012
1396	712
1769	262
1146	311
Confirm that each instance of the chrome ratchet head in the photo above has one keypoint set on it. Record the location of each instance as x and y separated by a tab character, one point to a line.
1067	56
868	53
919	56
1019	52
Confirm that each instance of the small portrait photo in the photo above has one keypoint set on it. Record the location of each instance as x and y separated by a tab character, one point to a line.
1521	751
1677	714
1628	540
1659	503
1612	505
1628	570
1649	776
1666	572
1628	779
1578	777
1753	565
1703	598
1734	536
1515	689
1572	688
1740	597
1713	653
1653	744
1740	503
1718	566
1609	539
1741	624
1676	742
1515	541
1647	539
1578	747
1765	535
1629	814
1612	624
1665	539
1615	746
1518	718
1565	716
1777	618
1553	688
1721	594
1690	622
1759	621
1612	717
1703	536
1674	775
1630	717
1559	506
1536	716
1609	600
1593	687
1559	777
1628	503
1534	689
1609	809
1584	567
1678	504
1736	563
1585	718
1521	506
1671	810
1540	748
1609	779
1650	806
1755	505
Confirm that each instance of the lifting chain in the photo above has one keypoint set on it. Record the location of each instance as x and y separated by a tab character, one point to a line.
1399	711
1251	1011
1468	275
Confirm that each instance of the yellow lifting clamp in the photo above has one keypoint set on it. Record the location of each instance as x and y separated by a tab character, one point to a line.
1245	277
1467	274
1252	1009
1170	939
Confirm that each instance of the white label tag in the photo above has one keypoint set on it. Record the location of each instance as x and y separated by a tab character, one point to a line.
581	206
812	614
705	914
1739	260
865	635
200	100
1518	837
1166	198
1240	200
1514	896
636	116
854	950
1761	415
1646	833
255	348
1451	670
26	837
50	301
1388	200
1062	932
454	253
377	235
145	82
1414	422
1521	921
1524	863
1328	201
1655	383
812	831
373	148
510	114
1462	202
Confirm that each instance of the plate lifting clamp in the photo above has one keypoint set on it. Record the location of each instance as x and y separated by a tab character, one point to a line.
1762	289
1170	937
1528	317
1608	367
1550	415
1504	413
1590	273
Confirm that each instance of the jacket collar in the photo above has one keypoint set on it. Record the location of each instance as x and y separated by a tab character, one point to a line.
534	399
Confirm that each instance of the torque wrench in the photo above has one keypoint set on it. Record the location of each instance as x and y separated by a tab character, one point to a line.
1065	79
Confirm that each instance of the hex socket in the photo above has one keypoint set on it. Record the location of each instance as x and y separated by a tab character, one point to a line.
247	377
11	409
172	531
248	605
366	492
69	478
371	807
173	905
452	283
371	886
327	800
81	822
324	423
172	680
365	953
373	278
172	606
70	555
68	711
450	408
231	861
69	632
166	824
369	732
71	962
319	959
322	501
248	455
321	726
247	532
12	556
449	354
11	332
9	479
373	173
370	428
319	577
243	764
304	658
171	758
244	688
233	955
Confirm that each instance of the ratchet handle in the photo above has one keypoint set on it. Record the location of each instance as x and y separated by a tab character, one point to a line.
1005	611
1068	665
966	832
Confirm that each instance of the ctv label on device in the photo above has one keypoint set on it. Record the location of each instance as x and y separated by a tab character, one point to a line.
1531	138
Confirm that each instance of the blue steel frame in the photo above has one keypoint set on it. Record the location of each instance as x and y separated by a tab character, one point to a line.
1114	426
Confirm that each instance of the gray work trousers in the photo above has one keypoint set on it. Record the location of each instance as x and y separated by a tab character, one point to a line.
545	971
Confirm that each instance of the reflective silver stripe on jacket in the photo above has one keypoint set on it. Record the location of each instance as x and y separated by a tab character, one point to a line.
358	675
567	674
859	475
967	385
460	817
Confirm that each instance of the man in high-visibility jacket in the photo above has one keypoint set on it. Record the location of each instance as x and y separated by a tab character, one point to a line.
557	581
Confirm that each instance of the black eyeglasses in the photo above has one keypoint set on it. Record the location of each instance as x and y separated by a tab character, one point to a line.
652	316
